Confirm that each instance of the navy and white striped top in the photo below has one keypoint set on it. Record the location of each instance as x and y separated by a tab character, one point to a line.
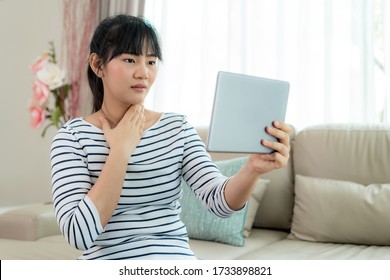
146	223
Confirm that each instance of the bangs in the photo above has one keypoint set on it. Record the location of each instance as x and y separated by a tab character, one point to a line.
137	38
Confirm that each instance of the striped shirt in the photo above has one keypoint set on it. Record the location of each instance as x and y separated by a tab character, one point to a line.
146	222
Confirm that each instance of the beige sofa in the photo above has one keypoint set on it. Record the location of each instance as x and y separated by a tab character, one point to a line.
331	202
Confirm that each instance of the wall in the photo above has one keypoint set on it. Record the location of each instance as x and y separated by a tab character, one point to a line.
26	27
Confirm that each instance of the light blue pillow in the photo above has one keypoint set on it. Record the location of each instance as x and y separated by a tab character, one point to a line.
204	225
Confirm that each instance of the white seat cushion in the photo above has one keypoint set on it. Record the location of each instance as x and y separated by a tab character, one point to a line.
206	250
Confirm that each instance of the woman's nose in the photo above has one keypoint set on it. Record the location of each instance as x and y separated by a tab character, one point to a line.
141	71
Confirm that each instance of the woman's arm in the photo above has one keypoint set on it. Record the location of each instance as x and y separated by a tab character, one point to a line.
240	186
201	174
82	210
122	140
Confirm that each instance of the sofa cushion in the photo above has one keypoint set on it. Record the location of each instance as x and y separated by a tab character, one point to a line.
48	248
275	210
208	250
29	222
287	249
341	212
202	224
254	204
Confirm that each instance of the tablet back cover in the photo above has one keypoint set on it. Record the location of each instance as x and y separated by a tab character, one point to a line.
243	107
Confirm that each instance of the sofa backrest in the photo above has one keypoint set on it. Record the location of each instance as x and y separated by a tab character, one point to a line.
357	153
276	206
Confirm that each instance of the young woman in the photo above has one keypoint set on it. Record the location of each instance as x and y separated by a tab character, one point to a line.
116	174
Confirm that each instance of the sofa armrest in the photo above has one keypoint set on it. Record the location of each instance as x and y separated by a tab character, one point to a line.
29	222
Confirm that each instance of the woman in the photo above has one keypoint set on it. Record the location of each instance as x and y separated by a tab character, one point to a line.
116	174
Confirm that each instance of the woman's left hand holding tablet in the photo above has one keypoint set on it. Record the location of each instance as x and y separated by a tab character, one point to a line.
263	163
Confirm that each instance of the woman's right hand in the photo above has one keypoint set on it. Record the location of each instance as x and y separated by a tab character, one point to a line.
122	140
127	134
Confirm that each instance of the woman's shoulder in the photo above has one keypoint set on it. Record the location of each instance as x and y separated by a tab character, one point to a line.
172	119
76	128
173	115
74	125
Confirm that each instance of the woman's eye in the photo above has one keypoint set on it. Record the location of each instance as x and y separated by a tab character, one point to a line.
152	62
129	60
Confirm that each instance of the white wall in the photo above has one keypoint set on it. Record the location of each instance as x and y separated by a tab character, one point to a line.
26	27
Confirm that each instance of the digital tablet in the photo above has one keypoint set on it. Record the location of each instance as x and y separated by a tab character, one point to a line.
243	107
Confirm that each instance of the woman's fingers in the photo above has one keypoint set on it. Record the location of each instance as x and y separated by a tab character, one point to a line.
140	122
280	157
277	146
132	113
281	131
276	159
127	134
134	117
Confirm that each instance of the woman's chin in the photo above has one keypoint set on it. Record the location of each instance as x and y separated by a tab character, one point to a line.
135	101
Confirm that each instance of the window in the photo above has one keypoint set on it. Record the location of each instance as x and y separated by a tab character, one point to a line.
332	53
379	61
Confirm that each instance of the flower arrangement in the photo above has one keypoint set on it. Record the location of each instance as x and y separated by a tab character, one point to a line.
50	92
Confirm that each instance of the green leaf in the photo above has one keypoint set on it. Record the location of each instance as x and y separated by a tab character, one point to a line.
55	117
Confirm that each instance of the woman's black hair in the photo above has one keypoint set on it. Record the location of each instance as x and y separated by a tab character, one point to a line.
117	35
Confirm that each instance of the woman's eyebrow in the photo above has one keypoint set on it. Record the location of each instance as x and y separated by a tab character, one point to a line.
137	54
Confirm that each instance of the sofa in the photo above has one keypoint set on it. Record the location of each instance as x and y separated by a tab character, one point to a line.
331	202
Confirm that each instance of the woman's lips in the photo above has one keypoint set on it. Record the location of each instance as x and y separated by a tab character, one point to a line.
139	87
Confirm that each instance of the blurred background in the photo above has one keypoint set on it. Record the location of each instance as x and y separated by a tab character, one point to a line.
335	54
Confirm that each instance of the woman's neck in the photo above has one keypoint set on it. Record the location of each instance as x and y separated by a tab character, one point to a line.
113	116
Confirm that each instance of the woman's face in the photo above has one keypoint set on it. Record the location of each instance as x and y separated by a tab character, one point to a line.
128	78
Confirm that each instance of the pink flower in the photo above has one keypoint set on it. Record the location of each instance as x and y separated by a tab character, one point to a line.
40	92
38	116
39	63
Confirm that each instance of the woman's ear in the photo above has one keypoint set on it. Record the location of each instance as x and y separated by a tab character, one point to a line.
94	63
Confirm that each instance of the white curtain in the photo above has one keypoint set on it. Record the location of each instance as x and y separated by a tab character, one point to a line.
386	46
324	48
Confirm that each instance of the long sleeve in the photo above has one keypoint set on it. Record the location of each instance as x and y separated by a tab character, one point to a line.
202	175
76	215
